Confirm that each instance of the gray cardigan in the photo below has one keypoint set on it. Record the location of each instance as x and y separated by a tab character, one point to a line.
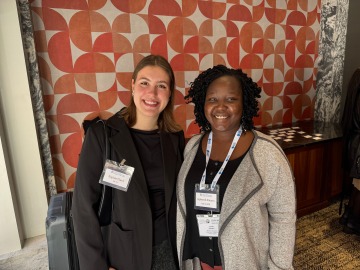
258	216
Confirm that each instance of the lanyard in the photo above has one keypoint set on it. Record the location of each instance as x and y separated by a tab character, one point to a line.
208	152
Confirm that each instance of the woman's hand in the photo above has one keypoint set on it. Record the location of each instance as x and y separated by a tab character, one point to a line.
110	268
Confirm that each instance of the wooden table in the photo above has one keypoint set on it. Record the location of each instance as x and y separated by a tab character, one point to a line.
314	150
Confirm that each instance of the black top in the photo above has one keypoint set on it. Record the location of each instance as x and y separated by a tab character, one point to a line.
204	248
149	149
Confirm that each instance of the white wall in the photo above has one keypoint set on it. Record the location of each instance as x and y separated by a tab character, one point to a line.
10	231
19	130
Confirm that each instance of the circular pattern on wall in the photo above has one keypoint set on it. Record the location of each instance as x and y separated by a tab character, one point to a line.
87	51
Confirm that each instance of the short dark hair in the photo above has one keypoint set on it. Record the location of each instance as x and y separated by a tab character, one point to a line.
250	91
166	121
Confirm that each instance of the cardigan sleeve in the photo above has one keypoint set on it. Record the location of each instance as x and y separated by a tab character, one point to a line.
282	216
91	250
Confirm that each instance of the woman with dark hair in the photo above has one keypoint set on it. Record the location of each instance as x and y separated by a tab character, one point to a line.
351	158
236	192
145	139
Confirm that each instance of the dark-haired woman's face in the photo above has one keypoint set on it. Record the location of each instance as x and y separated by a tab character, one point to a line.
224	104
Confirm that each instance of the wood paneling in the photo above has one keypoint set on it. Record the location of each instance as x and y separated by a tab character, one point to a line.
318	174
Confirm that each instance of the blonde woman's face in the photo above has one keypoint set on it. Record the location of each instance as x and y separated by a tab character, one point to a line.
151	91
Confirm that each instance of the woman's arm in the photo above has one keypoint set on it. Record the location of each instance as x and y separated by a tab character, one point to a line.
90	246
282	218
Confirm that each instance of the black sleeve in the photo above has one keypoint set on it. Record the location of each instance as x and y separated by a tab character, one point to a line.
357	111
91	250
181	143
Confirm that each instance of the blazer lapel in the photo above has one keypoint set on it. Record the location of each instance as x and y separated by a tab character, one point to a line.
125	148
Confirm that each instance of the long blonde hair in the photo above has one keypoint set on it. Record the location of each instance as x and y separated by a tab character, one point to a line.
166	121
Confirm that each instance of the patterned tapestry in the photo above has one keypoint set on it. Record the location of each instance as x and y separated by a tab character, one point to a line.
87	50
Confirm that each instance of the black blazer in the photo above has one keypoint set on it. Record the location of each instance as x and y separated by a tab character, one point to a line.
128	241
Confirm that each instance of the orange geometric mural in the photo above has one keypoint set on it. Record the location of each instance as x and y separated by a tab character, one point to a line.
87	50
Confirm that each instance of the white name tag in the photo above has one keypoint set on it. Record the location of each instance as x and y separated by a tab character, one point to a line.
206	199
116	175
208	225
116	178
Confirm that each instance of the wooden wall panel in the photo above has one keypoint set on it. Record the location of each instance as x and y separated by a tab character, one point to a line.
307	164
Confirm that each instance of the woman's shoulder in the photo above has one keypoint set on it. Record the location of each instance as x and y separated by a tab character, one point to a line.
97	126
94	125
179	138
176	135
263	140
267	155
195	139
179	133
193	142
266	149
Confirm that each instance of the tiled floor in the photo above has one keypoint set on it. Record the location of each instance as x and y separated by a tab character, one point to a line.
33	256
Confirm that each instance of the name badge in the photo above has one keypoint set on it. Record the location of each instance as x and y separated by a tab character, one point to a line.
208	225
207	199
116	175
